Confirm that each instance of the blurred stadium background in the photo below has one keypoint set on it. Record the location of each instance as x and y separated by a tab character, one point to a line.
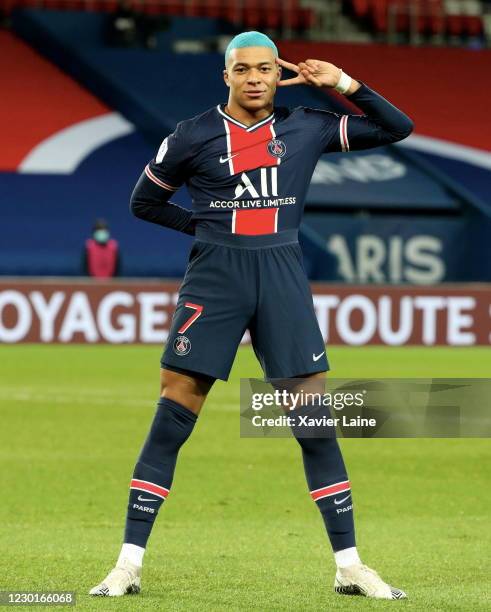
396	243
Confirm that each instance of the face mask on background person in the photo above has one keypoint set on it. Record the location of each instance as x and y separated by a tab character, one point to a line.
101	236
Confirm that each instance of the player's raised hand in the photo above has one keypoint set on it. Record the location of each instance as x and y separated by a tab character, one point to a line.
311	72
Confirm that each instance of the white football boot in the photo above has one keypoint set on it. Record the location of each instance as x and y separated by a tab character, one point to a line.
124	579
361	580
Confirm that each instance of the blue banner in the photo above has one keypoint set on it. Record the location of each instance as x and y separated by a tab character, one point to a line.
376	178
392	249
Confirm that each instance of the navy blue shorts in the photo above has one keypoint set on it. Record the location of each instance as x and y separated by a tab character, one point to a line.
234	283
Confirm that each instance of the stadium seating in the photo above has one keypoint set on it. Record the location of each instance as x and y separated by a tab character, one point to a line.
267	14
454	18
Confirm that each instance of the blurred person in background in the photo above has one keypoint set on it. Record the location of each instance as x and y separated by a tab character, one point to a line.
101	256
127	27
122	26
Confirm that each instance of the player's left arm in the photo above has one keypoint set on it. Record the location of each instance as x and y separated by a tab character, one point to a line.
382	123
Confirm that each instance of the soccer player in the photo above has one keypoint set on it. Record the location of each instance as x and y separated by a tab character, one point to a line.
247	165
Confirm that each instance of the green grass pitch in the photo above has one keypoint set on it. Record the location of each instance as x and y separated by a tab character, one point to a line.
239	531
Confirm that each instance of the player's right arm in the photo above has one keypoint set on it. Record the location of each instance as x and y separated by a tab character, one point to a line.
161	178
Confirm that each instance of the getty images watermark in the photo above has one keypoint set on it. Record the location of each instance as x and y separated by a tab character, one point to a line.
366	408
293	402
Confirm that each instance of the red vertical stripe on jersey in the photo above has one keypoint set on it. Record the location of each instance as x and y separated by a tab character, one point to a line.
255	222
250	149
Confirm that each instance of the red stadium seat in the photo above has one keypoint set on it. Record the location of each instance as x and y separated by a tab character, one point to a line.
361	7
232	12
194	8
272	14
418	10
455	25
473	25
7	6
157	7
92	6
454	20
379	15
435	20
403	16
151	8
472	18
25	3
49	4
173	7
107	6
214	8
252	14
291	15
306	18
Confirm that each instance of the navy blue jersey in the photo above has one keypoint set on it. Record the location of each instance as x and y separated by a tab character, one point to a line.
252	180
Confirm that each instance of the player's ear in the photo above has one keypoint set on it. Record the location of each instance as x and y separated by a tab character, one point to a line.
225	77
278	77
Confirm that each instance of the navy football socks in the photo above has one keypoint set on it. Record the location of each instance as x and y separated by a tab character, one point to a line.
154	471
326	475
172	425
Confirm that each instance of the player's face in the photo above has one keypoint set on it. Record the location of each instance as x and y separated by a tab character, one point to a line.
252	74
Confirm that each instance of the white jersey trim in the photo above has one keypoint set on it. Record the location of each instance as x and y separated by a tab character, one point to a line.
343	133
278	159
157	181
247	128
229	149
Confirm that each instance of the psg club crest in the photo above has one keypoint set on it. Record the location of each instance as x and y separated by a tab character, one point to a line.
182	345
276	148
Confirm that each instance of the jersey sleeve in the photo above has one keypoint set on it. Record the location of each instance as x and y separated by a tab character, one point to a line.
382	123
172	165
331	130
358	132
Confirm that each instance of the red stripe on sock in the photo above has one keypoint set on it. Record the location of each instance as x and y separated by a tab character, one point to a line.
330	490
149	487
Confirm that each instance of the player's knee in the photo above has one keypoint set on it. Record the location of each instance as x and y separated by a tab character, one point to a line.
302	389
188	390
306	406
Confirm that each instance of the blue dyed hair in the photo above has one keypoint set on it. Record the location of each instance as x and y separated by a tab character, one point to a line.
250	39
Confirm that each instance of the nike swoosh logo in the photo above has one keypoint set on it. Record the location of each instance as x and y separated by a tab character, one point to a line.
317	357
140	498
224	160
340	501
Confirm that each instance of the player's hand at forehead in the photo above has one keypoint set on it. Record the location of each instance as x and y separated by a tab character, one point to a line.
311	72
